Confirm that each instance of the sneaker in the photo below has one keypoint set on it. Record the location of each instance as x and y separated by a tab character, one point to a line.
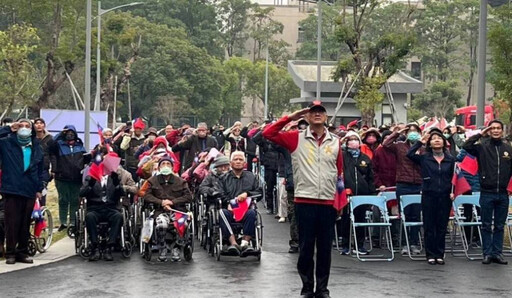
175	257
405	251
95	255
282	219
345	251
10	261
363	251
415	250
293	249
163	255
62	228
233	249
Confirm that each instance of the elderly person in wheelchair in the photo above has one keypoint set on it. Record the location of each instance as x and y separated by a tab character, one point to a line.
166	191
103	195
235	187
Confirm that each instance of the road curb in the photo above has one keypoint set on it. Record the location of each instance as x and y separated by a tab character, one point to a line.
59	251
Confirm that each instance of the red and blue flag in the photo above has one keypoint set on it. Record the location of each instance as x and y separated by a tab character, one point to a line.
180	223
469	164
240	208
459	182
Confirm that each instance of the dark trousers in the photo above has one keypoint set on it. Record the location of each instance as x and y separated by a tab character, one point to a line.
18	211
249	162
292	218
270	181
412	212
344	225
68	200
248	222
497	204
103	214
316	227
436	214
2	226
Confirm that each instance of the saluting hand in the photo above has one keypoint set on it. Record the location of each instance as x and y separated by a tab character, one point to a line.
295	116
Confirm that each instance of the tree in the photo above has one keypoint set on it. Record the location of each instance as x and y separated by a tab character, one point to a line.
233	18
374	53
262	29
17	84
500	43
439	100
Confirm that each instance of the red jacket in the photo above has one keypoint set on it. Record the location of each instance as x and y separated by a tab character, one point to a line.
406	170
384	167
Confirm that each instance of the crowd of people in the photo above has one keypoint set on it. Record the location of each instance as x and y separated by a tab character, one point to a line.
310	170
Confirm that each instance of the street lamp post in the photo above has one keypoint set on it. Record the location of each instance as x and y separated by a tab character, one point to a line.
482	61
87	97
319	52
98	53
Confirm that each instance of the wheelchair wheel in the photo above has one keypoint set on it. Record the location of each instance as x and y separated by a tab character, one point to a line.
45	239
187	252
32	247
71	232
216	251
127	250
147	252
84	252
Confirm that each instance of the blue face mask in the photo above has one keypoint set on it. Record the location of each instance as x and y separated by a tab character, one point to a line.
413	136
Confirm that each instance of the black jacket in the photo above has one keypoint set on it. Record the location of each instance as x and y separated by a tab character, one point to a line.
210	184
288	168
15	180
358	174
250	146
68	161
436	177
231	186
46	143
494	162
194	145
268	151
94	192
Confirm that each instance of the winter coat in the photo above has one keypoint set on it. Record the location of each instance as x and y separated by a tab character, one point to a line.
67	160
130	145
268	151
406	170
494	162
175	189
15	179
210	184
231	186
358	174
102	196
436	176
250	146
384	167
46	143
194	145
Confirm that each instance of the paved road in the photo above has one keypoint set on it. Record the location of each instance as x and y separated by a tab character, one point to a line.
275	276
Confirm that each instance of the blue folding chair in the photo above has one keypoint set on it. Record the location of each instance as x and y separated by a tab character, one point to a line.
405	201
379	202
390	196
461	222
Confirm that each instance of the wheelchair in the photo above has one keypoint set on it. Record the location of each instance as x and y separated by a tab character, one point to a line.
41	242
219	245
82	242
164	235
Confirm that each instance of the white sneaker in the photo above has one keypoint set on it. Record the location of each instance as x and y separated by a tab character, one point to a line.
415	250
405	251
282	219
244	244
175	257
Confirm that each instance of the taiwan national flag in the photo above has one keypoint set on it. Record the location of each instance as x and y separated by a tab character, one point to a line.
240	208
340	197
100	133
469	164
459	182
180	223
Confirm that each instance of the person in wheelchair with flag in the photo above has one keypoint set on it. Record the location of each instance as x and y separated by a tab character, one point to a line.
168	193
103	193
238	188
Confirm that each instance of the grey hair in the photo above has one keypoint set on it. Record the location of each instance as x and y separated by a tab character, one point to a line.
236	153
202	124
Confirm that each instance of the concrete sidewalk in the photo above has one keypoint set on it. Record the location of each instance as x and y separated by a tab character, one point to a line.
61	250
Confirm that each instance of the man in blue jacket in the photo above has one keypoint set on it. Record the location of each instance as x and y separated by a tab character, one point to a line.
67	156
22	182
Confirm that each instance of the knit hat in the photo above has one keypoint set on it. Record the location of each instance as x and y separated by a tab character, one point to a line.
221	160
40	120
151	130
165	158
351	133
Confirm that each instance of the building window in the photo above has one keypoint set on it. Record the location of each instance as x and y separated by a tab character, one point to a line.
300	35
416	70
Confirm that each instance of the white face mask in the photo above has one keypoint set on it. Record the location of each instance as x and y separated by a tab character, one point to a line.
24	132
166	171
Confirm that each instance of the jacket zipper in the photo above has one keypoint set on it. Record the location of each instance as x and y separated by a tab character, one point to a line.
498	181
357	183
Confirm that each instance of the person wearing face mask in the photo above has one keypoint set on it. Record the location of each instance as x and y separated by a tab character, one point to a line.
165	191
23	178
358	174
371	141
68	158
408	178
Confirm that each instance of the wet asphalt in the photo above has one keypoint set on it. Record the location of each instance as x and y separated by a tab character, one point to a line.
274	276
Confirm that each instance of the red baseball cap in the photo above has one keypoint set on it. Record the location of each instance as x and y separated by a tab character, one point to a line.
317	106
